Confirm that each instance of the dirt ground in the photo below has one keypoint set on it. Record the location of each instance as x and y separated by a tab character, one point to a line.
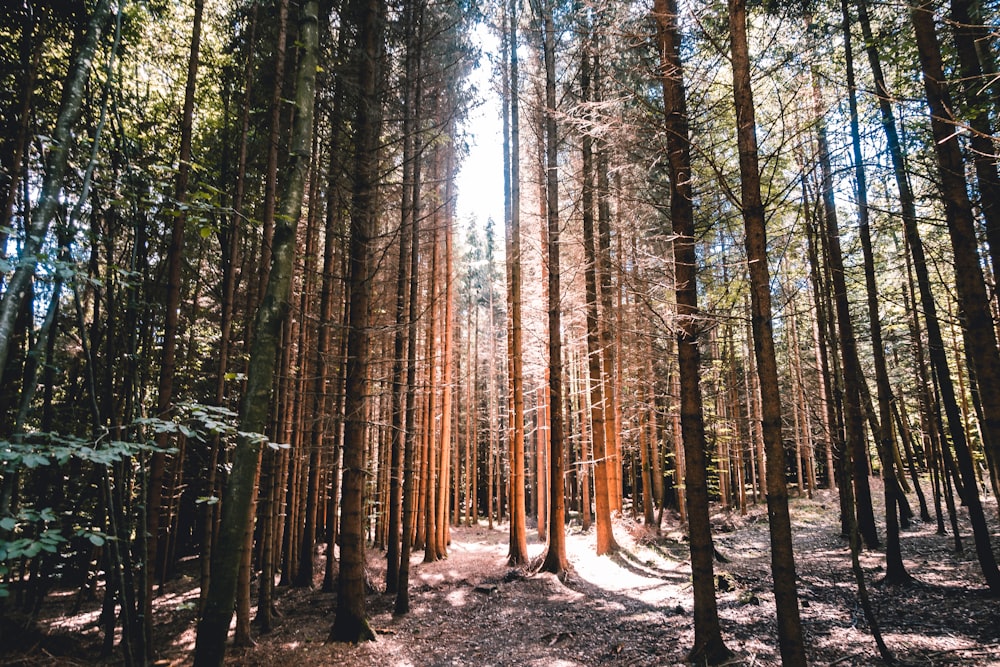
633	608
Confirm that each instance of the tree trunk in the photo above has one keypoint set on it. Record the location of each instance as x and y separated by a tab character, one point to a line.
160	480
448	353
351	621
895	571
308	434
646	439
555	556
984	158
230	246
598	402
612	426
403	280
518	550
853	413
236	513
969	283
935	343
429	472
782	560
708	646
409	491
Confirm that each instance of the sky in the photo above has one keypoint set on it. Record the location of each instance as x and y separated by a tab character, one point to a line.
480	179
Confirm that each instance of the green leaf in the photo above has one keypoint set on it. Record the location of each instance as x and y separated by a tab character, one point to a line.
8	523
252	437
32	461
96	540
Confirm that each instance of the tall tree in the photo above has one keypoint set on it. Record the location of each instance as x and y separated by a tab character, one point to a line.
708	643
598	403
158	487
518	551
612	411
398	408
70	109
351	622
409	505
895	570
981	341
555	556
230	242
935	343
851	368
782	559
237	501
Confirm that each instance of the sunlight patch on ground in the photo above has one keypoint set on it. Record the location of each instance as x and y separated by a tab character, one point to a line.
629	571
85	620
943	648
186	639
473	546
457	598
76	623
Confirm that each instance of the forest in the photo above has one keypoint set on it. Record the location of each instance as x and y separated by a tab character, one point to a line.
716	380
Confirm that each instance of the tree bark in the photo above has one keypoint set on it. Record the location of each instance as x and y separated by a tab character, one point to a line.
351	621
708	643
555	556
517	554
969	283
598	403
236	510
782	560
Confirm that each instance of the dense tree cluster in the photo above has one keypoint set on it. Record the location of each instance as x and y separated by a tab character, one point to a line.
743	250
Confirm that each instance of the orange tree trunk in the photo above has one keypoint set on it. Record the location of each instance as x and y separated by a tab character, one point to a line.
555	556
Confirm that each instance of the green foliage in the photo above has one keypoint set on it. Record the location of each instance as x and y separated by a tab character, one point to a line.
32	532
27	536
53	448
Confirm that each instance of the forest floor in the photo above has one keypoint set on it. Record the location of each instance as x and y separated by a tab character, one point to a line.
632	608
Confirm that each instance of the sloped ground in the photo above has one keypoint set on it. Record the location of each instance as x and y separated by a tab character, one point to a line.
633	608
